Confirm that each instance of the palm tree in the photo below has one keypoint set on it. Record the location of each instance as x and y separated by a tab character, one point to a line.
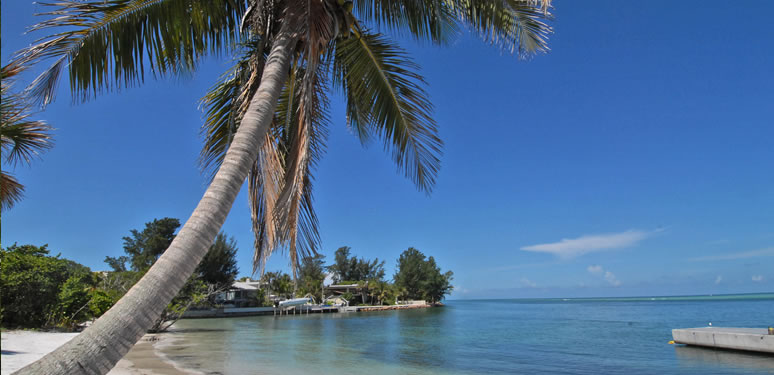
269	126
22	139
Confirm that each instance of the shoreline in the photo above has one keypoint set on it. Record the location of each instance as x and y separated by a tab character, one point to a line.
20	348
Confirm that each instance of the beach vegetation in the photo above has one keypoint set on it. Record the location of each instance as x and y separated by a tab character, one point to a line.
266	119
40	290
144	247
219	268
421	278
311	276
279	284
213	275
352	270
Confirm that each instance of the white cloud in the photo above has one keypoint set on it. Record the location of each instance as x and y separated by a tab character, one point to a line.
571	248
595	269
767	252
757	278
528	283
718	280
610	278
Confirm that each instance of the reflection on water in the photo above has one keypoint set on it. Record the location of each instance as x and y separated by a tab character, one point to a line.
474	337
693	355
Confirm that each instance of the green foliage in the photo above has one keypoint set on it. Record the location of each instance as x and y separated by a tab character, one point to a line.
143	248
311	276
214	273
219	266
262	298
437	284
420	277
411	272
100	302
118	264
73	300
278	283
354	269
38	288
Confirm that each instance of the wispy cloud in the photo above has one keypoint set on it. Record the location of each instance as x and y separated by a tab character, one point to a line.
608	276
574	247
767	252
718	280
595	269
518	266
757	278
528	283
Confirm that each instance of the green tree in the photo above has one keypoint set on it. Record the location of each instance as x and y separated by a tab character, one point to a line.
118	264
144	247
215	273
291	46
21	138
279	283
219	268
340	267
353	269
32	285
437	284
73	300
411	272
311	276
420	277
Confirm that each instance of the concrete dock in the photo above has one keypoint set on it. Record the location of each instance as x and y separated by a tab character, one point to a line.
750	339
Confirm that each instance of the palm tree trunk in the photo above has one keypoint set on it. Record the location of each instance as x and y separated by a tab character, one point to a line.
98	348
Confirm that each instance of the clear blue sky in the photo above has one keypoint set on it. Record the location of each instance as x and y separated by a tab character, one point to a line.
635	158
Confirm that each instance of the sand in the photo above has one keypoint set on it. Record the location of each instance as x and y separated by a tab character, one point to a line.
20	348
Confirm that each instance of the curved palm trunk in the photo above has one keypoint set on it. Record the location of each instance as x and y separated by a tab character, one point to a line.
98	348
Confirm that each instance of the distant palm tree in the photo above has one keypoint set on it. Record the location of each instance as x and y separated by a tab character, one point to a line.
265	120
22	139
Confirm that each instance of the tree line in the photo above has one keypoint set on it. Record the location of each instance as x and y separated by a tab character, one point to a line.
44	291
416	277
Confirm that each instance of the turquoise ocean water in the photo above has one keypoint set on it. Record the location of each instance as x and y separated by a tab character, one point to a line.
518	336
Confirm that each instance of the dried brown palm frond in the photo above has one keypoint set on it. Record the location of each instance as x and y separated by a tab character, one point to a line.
11	190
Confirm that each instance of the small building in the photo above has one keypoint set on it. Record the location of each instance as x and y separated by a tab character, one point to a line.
241	294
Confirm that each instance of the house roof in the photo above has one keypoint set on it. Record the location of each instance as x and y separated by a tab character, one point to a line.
246	285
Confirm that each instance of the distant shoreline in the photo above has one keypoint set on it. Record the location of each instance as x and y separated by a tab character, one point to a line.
691	297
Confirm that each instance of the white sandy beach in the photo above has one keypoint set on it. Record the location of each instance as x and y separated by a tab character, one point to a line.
20	348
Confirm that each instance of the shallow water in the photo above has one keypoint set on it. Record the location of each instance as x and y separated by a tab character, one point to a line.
578	336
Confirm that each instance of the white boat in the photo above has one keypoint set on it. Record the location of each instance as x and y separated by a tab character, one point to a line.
293	302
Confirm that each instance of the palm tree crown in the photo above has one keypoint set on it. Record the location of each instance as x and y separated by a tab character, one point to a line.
266	118
107	44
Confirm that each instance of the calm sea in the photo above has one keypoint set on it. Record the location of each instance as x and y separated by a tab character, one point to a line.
519	336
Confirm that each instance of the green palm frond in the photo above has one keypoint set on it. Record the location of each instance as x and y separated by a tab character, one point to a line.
516	25
106	43
22	138
430	20
384	88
